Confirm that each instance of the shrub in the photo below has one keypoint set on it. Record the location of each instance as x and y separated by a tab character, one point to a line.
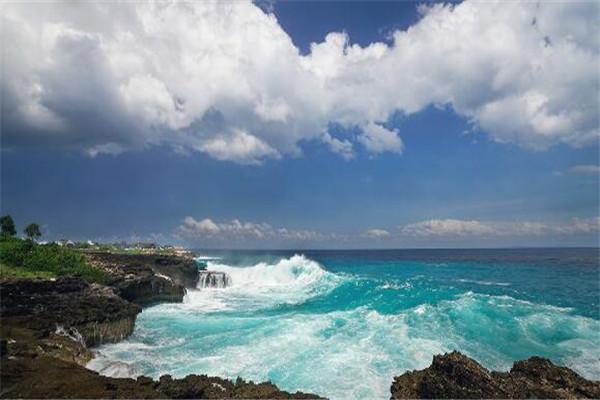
47	259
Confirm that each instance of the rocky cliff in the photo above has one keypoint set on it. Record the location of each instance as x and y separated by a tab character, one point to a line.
91	313
455	375
146	278
181	270
48	326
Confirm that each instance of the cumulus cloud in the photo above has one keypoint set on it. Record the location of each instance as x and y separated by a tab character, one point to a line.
225	79
237	231
378	139
194	230
376	234
456	228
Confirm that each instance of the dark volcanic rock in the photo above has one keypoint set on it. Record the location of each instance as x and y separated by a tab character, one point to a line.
46	377
66	306
46	326
205	387
455	375
182	270
146	278
142	286
136	280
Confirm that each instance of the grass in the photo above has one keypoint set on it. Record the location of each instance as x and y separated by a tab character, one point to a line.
25	259
7	272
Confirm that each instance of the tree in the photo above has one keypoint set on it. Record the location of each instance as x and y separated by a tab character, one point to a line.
32	231
8	225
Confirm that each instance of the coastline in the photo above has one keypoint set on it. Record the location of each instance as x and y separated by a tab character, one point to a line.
50	329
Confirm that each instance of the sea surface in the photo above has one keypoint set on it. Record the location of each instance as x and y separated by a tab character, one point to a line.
343	323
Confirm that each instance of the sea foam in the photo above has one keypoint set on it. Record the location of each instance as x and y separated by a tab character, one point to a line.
345	336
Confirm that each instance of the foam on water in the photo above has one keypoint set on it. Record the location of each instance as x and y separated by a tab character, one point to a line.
343	336
288	281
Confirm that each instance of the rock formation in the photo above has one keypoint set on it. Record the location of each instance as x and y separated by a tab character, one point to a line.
455	375
145	278
47	377
48	325
65	306
182	270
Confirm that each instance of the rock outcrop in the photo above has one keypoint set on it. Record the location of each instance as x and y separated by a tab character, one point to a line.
48	325
455	375
145	278
90	313
46	377
181	270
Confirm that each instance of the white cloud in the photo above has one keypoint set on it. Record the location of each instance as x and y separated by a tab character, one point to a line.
342	147
240	146
447	227
455	228
376	234
582	170
236	230
224	78
378	139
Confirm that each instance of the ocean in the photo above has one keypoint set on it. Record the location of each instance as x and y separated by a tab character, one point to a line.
342	323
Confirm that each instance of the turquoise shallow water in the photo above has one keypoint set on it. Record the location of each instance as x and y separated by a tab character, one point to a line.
342	323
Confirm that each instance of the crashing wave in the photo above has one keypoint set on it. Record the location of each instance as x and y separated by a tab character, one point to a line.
294	271
288	281
213	279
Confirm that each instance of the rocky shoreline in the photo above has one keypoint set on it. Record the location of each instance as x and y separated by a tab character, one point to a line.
48	327
456	376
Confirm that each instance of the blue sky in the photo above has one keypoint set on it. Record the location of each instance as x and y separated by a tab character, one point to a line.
434	173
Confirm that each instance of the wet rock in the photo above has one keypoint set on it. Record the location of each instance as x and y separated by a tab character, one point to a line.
39	308
205	387
46	377
455	375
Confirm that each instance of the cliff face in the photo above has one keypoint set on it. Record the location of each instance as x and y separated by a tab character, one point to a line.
91	313
145	278
181	270
455	375
47	326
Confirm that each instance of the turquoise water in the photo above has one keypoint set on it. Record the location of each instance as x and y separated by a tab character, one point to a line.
342	324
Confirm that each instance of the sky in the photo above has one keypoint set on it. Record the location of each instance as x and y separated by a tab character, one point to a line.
303	124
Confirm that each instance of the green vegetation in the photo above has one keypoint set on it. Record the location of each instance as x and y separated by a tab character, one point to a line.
24	258
7	272
7	226
32	231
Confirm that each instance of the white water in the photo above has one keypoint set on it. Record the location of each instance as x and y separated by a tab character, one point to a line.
342	336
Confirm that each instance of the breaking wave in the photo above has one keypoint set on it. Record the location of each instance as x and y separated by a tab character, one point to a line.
345	335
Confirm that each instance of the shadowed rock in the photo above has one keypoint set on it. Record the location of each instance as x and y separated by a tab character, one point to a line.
455	375
181	270
66	306
146	278
46	377
47	326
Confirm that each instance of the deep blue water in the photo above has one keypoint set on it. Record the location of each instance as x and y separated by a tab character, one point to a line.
342	323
